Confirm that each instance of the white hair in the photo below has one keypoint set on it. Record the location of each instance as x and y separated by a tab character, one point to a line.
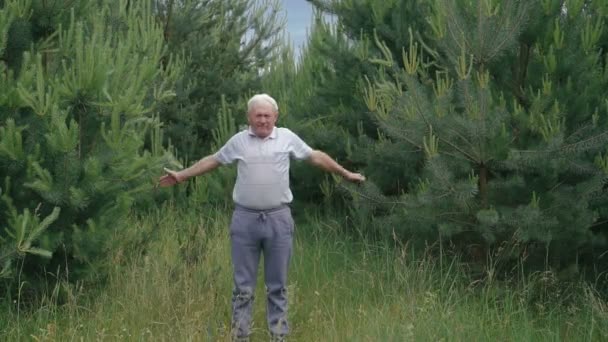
262	98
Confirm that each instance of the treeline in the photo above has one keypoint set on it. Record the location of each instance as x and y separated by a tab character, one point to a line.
481	125
96	97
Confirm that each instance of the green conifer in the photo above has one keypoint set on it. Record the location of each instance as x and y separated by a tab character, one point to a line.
76	115
511	128
227	45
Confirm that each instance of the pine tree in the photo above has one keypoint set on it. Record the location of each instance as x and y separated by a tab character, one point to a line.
510	122
324	102
79	128
227	44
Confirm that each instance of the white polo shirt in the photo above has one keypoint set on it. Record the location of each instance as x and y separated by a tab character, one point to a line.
262	180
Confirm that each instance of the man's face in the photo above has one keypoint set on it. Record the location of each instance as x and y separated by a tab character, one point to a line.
262	118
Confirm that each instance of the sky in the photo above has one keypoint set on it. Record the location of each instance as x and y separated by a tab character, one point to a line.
299	17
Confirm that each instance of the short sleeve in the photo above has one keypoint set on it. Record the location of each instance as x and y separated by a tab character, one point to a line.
298	149
229	152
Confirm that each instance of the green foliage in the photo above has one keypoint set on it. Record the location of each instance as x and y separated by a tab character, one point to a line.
19	40
24	229
310	95
227	45
215	188
34	21
487	126
322	100
509	131
79	128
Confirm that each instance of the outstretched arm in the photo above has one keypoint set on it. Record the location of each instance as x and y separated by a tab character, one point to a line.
204	165
325	162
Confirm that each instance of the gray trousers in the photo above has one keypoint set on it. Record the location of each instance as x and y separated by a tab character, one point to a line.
253	232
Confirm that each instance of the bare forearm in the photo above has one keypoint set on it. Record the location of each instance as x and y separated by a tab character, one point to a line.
204	165
325	162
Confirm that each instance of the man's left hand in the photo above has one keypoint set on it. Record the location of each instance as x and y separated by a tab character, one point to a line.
354	177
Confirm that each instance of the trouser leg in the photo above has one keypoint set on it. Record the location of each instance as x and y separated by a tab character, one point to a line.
277	247
246	248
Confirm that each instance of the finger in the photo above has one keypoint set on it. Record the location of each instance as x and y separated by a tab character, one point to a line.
166	183
166	180
174	175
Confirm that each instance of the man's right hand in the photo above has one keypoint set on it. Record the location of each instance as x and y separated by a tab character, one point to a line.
170	179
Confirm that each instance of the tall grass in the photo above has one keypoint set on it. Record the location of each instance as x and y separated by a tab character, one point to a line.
170	279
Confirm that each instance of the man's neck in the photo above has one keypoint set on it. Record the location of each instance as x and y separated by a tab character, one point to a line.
272	135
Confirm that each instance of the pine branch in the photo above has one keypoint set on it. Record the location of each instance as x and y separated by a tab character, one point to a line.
587	144
468	156
513	31
455	20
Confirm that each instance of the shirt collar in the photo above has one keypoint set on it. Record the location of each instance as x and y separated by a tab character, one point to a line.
273	134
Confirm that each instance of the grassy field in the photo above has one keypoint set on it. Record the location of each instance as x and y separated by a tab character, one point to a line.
178	288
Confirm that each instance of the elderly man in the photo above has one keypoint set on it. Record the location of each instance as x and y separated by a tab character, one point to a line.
261	222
